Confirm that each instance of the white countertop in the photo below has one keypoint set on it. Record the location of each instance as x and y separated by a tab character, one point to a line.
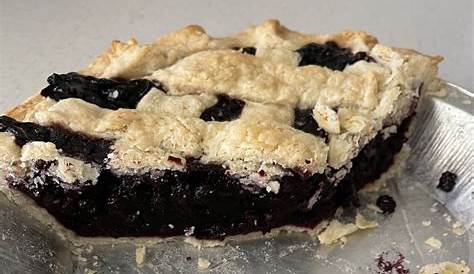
38	38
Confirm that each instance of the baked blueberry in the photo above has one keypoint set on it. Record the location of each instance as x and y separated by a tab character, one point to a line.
386	203
226	109
247	50
304	121
106	93
330	55
447	181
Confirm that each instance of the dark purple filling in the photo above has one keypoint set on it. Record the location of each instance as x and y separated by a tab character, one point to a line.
226	109
386	203
247	50
330	55
106	93
447	181
205	197
71	143
304	121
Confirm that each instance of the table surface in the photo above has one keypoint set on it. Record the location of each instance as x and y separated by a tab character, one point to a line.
41	37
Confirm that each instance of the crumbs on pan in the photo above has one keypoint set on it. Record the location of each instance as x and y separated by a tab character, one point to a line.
89	271
336	231
426	223
203	264
445	268
140	254
442	92
458	229
434	243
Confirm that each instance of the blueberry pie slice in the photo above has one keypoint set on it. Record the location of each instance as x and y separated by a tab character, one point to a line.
210	137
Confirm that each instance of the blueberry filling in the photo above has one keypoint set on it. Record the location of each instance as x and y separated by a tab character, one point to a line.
447	181
72	144
105	93
330	55
304	121
204	196
386	203
226	109
247	50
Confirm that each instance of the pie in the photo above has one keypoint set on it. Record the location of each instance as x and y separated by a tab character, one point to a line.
211	137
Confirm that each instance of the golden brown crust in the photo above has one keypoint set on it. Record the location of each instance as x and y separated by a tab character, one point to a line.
20	111
166	50
351	105
97	66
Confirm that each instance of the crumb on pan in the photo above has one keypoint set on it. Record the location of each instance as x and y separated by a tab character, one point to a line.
445	268
434	243
140	254
203	264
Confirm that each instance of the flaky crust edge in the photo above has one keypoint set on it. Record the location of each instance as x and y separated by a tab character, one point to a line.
117	48
273	26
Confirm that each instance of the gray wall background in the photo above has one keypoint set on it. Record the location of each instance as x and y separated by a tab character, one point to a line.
41	37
